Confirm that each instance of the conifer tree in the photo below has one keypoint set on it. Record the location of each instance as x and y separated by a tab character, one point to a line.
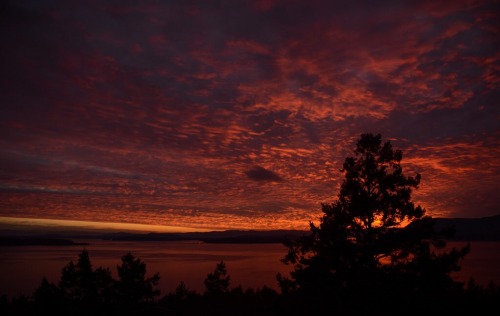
373	242
133	286
218	281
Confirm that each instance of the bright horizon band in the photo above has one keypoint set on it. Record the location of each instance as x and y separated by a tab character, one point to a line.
61	223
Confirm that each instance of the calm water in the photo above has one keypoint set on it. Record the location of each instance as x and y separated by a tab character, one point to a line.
249	265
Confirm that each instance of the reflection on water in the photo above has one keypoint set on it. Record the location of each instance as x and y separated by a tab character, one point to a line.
249	265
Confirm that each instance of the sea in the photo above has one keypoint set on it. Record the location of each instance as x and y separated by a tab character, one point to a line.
248	265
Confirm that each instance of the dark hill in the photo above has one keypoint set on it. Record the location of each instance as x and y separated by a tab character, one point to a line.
228	236
484	228
467	229
37	241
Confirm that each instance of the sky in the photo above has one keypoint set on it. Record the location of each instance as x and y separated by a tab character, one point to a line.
239	114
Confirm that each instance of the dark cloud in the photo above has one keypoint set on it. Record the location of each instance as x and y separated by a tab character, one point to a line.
257	173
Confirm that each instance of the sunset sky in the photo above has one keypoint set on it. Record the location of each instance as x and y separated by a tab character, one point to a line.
239	114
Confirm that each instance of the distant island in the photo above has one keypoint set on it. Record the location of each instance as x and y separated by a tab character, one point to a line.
37	241
227	236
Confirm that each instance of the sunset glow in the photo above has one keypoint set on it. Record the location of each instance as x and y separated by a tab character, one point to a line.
54	224
212	115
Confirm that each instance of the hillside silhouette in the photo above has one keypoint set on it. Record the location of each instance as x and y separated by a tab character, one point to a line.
464	229
469	229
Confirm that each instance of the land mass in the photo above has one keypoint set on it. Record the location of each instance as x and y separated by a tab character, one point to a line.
38	241
484	228
227	236
465	229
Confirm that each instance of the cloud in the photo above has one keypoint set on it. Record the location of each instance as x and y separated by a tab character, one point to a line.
162	107
257	173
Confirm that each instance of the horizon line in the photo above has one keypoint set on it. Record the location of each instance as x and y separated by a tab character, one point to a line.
26	222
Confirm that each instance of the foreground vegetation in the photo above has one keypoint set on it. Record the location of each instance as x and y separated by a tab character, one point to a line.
83	290
359	260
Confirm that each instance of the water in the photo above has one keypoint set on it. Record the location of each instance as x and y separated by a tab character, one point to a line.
249	265
482	263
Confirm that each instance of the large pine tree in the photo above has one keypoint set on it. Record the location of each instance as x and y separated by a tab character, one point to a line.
373	244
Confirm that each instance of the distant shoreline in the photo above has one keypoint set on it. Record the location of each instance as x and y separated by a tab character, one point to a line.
31	241
473	229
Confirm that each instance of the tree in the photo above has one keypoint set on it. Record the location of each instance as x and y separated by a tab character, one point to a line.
133	286
182	292
218	281
81	283
47	295
373	242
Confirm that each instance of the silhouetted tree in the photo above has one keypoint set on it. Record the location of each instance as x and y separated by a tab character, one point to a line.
69	283
81	283
47	297
218	281
182	292
362	249
133	286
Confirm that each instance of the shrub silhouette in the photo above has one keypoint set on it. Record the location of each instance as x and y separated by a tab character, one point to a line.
362	251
